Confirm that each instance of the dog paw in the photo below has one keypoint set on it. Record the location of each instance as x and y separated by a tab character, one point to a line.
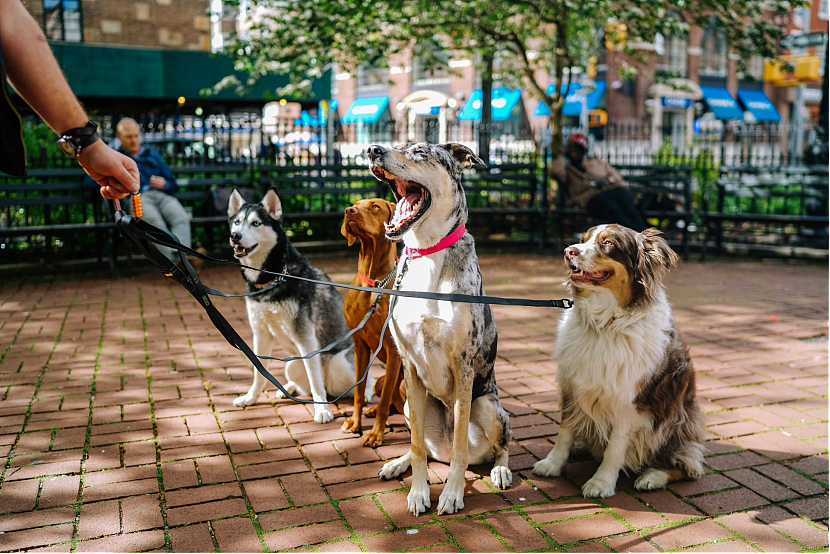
651	479
245	400
351	425
418	500
597	488
546	468
373	438
370	412
451	500
322	414
501	477
290	387
392	469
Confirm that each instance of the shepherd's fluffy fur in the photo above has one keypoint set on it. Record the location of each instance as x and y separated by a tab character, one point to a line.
625	375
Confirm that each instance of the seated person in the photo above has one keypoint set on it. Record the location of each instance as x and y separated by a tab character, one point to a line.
595	185
158	185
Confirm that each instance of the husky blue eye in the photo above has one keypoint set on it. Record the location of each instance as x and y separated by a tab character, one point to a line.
256	223
237	222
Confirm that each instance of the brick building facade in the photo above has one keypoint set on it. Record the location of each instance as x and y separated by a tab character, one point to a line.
165	24
702	58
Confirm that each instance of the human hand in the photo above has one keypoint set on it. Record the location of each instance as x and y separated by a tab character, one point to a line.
158	182
603	184
115	173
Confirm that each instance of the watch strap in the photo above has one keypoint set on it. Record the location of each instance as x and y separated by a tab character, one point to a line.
81	137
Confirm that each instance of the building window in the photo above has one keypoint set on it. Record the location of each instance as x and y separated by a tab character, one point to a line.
714	46
673	60
372	78
427	74
62	20
823	10
754	70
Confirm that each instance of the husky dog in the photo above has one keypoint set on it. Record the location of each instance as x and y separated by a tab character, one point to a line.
448	349
627	381
302	316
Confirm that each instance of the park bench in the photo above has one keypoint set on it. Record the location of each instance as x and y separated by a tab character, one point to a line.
767	208
49	210
662	193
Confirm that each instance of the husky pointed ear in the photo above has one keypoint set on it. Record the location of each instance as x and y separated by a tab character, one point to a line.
235	202
271	203
654	259
345	232
463	155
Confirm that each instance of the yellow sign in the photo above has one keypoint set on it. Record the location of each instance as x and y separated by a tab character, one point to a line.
597	118
805	68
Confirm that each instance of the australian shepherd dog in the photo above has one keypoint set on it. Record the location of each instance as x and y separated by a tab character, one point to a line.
625	375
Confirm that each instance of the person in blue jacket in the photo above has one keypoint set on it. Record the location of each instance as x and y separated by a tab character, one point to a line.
158	186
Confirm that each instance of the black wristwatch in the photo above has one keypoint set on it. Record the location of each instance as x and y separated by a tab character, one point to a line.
74	140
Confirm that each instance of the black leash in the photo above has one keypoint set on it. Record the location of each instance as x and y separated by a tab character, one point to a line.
143	234
159	236
136	230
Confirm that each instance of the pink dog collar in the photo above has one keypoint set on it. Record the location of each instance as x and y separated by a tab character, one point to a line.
445	242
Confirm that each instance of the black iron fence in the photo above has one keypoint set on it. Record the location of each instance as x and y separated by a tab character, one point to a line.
320	169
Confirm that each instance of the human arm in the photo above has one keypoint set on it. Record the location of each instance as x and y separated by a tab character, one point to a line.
34	73
558	169
613	177
163	178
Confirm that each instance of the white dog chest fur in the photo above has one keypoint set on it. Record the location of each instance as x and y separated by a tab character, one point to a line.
429	329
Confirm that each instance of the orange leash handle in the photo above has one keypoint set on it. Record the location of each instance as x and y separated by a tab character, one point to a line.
136	199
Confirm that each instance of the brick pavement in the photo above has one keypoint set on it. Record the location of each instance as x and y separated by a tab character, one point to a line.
118	432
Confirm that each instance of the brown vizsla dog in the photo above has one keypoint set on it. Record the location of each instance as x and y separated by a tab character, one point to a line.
365	221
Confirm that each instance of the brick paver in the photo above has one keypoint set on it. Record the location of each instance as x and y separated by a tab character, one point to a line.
118	432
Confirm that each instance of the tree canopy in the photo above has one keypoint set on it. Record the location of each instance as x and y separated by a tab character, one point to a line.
536	42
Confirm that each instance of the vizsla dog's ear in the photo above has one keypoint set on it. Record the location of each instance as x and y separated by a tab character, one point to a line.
654	259
235	202
463	155
345	232
391	206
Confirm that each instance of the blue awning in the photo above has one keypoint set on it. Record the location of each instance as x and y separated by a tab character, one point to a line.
722	104
306	120
759	104
367	110
502	102
573	103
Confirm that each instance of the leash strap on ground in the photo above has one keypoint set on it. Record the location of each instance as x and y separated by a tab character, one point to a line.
130	227
155	235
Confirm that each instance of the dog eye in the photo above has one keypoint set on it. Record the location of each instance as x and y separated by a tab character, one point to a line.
256	223
375	207
237	222
608	243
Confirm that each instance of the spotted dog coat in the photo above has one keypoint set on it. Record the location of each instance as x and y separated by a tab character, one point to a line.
302	316
626	378
448	349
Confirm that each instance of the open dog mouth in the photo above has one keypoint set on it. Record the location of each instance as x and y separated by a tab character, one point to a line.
240	251
412	202
594	278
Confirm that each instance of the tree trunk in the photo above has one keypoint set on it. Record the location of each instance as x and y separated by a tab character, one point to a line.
486	109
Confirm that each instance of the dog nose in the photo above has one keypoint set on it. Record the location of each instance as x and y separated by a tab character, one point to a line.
351	210
571	253
375	151
236	237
